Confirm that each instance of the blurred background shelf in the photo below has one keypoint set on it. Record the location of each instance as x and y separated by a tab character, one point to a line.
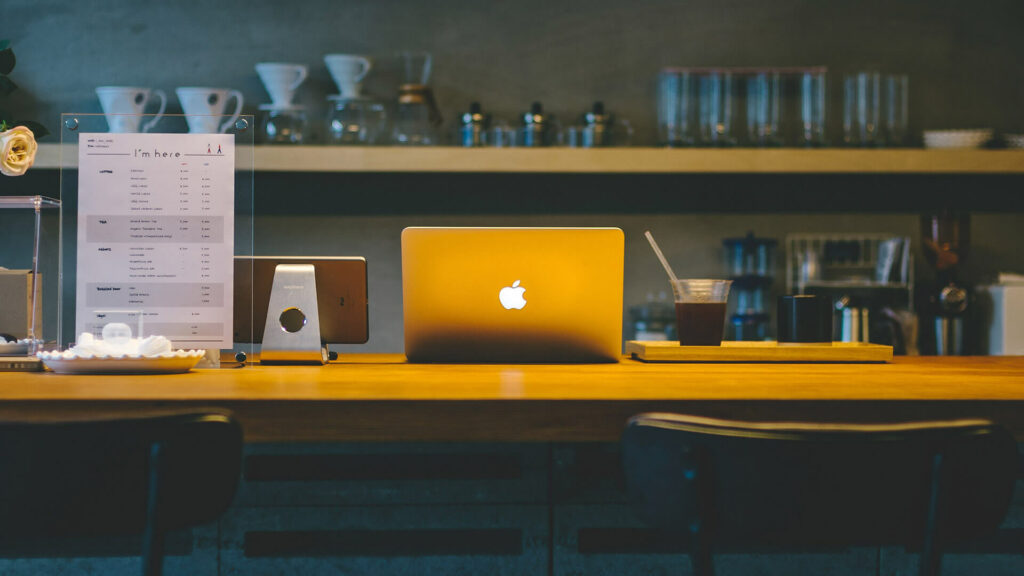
619	160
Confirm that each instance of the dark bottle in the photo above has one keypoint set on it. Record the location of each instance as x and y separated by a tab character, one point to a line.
536	126
473	127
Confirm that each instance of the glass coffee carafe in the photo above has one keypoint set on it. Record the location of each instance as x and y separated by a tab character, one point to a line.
357	121
282	125
416	118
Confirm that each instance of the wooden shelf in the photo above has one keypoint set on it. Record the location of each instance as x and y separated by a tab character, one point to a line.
619	160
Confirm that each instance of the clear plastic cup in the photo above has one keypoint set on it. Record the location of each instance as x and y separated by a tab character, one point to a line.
700	310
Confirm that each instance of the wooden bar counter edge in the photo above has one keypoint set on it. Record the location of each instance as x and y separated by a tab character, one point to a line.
381	398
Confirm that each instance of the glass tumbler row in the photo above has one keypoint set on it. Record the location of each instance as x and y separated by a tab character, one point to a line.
709	106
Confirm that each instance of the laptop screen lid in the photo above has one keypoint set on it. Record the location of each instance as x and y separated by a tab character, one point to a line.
512	294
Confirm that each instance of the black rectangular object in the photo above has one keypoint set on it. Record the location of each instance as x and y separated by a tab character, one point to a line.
319	543
341	296
177	543
334	467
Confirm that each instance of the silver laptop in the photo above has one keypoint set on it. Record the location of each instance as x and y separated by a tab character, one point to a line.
512	294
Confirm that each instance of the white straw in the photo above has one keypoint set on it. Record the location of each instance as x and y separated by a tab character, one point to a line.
657	252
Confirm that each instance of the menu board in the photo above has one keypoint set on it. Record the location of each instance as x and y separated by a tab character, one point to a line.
156	235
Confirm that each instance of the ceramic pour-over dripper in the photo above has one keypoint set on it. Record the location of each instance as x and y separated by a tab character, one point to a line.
205	107
281	80
348	71
125	105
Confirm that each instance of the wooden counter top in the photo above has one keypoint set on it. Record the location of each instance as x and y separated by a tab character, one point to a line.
381	398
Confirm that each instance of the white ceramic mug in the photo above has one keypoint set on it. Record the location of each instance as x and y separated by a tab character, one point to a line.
124	105
348	70
204	108
281	80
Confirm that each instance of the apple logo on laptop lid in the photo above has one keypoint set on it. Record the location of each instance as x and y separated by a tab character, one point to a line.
512	296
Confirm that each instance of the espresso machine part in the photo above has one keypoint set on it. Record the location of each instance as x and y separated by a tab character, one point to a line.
949	336
946	239
949	323
473	127
536	127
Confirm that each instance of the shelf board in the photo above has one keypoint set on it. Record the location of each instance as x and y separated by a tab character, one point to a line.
618	160
849	284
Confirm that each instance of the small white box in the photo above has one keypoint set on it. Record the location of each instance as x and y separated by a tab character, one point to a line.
1005	321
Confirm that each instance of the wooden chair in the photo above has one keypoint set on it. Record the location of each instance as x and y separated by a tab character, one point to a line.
139	476
727	485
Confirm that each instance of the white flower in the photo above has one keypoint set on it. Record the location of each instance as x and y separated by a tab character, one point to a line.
18	148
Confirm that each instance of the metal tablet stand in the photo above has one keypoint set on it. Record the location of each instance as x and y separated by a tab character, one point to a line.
292	332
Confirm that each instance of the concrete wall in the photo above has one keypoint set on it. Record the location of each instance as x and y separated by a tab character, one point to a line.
962	56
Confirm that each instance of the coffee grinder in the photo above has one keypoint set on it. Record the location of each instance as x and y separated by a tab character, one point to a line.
945	240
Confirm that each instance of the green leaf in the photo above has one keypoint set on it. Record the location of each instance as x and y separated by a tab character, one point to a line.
5	44
7	86
37	129
7	60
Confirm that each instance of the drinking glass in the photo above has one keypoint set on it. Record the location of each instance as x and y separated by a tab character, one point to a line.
764	97
895	91
716	108
700	311
861	109
677	108
812	107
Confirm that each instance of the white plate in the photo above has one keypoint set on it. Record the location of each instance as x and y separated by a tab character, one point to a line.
142	365
956	138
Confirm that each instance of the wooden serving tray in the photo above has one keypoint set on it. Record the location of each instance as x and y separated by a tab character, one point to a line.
845	352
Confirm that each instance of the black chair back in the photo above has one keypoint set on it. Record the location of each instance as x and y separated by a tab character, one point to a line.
736	485
143	475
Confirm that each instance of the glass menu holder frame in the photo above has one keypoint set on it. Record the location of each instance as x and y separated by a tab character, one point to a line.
44	285
92	130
